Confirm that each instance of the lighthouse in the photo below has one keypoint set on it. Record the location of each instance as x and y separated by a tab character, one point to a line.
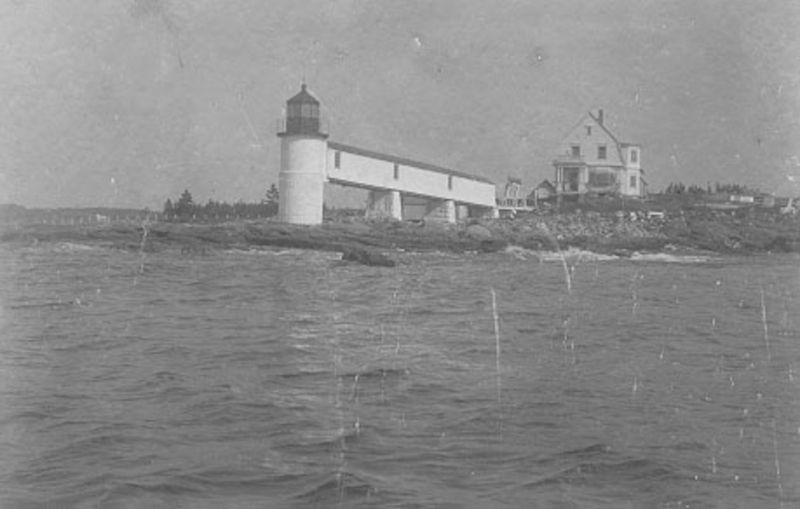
302	177
396	185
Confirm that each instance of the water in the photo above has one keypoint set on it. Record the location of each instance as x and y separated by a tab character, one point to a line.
290	379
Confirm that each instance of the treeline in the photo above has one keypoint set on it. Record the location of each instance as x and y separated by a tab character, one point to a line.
681	188
185	209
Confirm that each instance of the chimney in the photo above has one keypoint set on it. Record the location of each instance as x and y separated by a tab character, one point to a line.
600	117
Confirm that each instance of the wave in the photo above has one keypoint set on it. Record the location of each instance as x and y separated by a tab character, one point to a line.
378	374
607	472
263	252
671	258
338	486
330	441
598	464
574	255
379	385
61	304
71	246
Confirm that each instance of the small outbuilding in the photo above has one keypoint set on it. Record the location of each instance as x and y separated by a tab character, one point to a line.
543	191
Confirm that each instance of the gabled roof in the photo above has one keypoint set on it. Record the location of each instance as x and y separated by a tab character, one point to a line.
618	144
303	97
610	134
546	185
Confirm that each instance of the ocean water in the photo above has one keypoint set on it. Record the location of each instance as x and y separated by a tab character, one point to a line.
277	378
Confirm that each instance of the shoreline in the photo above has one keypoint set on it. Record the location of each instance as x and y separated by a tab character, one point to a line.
370	242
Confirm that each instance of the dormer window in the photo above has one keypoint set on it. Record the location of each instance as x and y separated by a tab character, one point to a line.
601	152
634	155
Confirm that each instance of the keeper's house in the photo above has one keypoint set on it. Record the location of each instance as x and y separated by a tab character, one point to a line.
592	160
396	185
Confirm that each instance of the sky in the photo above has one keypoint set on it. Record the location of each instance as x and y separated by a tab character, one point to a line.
125	103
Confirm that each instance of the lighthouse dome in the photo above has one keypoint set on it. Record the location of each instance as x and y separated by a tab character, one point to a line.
303	97
302	113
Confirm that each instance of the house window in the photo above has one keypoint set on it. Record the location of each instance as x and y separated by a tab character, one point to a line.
396	171
601	152
450	182
588	130
576	151
634	156
337	159
598	178
633	181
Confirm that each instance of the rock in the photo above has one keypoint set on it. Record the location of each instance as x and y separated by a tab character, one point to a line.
349	227
492	246
622	253
478	232
367	257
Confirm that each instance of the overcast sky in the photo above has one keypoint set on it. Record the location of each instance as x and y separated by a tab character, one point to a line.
128	102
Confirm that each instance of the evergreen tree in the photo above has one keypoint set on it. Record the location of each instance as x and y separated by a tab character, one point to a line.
169	209
186	199
185	205
270	203
272	194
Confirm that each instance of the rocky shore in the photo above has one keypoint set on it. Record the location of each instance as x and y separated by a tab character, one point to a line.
373	242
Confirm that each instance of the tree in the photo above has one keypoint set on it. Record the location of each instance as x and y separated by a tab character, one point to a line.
169	209
186	199
185	205
270	203
272	194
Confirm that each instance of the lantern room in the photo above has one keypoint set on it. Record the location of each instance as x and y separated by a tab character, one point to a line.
302	115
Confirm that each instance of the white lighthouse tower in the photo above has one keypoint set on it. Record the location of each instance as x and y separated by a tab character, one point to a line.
303	151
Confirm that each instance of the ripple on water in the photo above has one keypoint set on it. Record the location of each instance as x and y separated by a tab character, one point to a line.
285	379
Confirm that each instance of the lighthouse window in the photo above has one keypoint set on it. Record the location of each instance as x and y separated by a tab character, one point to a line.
634	156
396	171
337	159
588	130
450	182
